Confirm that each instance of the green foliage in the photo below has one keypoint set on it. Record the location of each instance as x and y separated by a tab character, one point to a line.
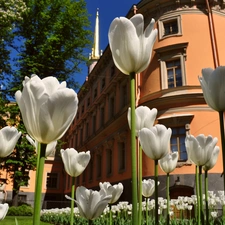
54	35
23	158
23	210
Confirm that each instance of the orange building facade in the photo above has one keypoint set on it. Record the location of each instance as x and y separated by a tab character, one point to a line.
191	36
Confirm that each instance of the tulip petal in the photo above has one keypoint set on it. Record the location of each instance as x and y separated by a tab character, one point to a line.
8	139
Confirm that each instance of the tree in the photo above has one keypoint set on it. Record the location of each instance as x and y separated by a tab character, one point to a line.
10	12
51	40
22	159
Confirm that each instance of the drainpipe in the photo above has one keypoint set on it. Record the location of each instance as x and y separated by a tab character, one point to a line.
212	34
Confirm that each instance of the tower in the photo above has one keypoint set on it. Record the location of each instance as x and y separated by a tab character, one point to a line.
95	53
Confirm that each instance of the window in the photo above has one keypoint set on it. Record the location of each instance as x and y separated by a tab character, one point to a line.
172	65
177	142
52	180
180	125
99	165
111	107
88	102
69	181
95	93
83	176
81	135
94	123
169	26
103	83
174	73
123	93
91	167
112	72
122	156
22	198
77	181
109	157
87	129
102	118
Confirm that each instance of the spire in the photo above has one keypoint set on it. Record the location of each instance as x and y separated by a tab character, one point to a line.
95	54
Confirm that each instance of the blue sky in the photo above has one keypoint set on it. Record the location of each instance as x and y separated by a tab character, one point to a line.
108	10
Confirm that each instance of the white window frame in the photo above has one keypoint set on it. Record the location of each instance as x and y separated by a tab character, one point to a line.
168	19
172	52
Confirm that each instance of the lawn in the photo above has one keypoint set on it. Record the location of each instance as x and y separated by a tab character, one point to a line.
22	220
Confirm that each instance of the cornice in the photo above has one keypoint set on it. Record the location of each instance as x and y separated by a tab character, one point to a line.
157	8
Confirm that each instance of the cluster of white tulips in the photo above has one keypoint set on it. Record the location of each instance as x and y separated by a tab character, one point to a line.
183	205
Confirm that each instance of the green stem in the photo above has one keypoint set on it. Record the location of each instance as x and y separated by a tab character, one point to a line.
201	195
198	197
37	163
223	144
38	188
156	193
72	202
110	214
206	198
146	210
168	198
133	151
140	186
90	222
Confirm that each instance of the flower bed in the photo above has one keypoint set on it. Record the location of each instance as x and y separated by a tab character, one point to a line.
182	211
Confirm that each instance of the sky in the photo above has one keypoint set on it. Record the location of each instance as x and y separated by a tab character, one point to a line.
108	10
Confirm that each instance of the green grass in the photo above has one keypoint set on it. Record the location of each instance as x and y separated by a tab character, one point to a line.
22	220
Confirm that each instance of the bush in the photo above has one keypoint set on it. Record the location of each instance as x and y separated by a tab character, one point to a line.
23	210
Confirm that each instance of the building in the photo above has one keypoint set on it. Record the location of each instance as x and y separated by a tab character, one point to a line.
191	35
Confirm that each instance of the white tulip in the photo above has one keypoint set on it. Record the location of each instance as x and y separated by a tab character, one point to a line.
169	162
8	139
3	210
131	46
155	141
75	162
90	203
116	190
148	187
47	107
213	86
49	148
200	149
213	159
144	117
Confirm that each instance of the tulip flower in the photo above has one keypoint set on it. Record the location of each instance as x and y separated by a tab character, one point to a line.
115	190
200	149
47	107
155	141
8	139
213	86
169	162
3	210
131	46
213	159
75	162
148	187
90	203
145	117
49	149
